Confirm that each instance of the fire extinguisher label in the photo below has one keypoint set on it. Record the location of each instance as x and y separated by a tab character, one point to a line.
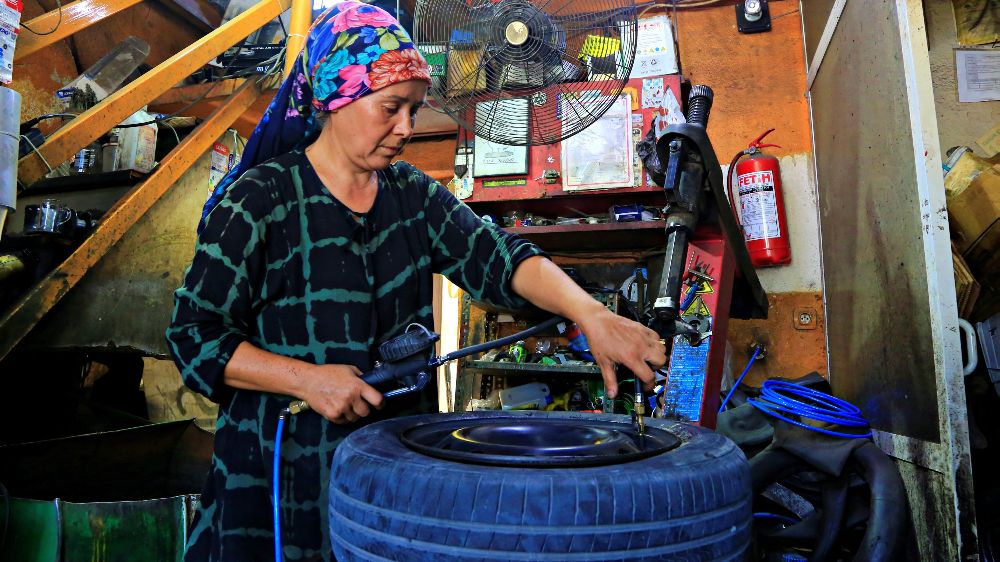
758	206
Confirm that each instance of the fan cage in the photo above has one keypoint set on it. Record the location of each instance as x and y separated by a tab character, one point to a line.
524	72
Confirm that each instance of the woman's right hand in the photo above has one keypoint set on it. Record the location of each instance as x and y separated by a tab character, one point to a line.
338	394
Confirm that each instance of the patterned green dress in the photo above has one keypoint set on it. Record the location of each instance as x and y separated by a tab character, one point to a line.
284	265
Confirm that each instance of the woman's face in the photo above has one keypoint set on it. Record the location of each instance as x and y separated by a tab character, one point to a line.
373	130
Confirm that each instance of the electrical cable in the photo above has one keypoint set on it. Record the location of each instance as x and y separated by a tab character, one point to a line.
32	122
176	136
6	515
35	149
780	399
51	31
197	100
275	480
756	352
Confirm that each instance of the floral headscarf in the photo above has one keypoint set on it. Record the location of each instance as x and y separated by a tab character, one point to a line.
353	49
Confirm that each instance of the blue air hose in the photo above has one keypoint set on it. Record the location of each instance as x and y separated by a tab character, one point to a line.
274	484
756	352
780	399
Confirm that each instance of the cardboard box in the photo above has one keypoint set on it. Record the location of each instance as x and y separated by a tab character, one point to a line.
966	286
975	225
975	215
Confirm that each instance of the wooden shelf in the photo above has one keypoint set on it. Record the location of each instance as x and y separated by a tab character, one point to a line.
507	368
81	182
595	237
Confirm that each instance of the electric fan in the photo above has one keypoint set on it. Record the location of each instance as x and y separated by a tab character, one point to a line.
526	72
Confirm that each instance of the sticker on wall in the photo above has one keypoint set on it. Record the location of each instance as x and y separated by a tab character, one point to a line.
636	137
652	92
633	94
673	108
696	307
686	385
505	183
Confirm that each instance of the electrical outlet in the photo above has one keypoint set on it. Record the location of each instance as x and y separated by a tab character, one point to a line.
805	319
753	16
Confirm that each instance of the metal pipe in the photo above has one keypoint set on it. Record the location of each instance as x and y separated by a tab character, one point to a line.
10	139
298	27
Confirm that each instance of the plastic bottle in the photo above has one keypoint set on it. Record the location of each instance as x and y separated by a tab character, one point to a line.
110	154
107	74
86	160
531	396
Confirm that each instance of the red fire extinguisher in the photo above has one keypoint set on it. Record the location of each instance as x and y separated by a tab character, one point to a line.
761	213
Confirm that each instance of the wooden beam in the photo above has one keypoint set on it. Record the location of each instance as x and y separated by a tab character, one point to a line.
26	312
101	118
75	16
198	13
209	91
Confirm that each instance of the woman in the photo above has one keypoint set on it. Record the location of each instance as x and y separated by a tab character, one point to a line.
319	251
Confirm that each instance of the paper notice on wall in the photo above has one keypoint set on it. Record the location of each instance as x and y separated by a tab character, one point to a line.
10	21
978	74
600	156
637	133
654	48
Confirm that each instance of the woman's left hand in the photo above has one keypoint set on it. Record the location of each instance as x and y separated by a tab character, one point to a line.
616	340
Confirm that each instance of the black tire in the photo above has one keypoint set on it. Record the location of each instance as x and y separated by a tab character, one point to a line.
388	502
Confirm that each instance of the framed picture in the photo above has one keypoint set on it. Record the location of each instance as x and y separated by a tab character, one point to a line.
495	159
601	156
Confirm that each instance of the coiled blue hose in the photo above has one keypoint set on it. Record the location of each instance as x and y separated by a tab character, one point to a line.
781	399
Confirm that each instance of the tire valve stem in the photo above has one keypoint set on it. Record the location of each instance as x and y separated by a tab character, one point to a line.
638	414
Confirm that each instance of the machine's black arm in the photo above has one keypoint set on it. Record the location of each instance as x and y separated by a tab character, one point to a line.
690	161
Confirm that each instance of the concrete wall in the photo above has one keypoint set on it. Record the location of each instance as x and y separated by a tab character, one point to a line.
958	123
760	82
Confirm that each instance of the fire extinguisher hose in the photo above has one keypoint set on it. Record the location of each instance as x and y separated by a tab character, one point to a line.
729	186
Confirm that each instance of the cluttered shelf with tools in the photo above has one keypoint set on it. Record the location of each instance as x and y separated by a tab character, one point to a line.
596	221
544	371
509	368
602	236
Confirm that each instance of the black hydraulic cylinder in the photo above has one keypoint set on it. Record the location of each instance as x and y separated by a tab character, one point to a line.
686	173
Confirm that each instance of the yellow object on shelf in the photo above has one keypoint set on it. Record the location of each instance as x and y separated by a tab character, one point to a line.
600	47
465	75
